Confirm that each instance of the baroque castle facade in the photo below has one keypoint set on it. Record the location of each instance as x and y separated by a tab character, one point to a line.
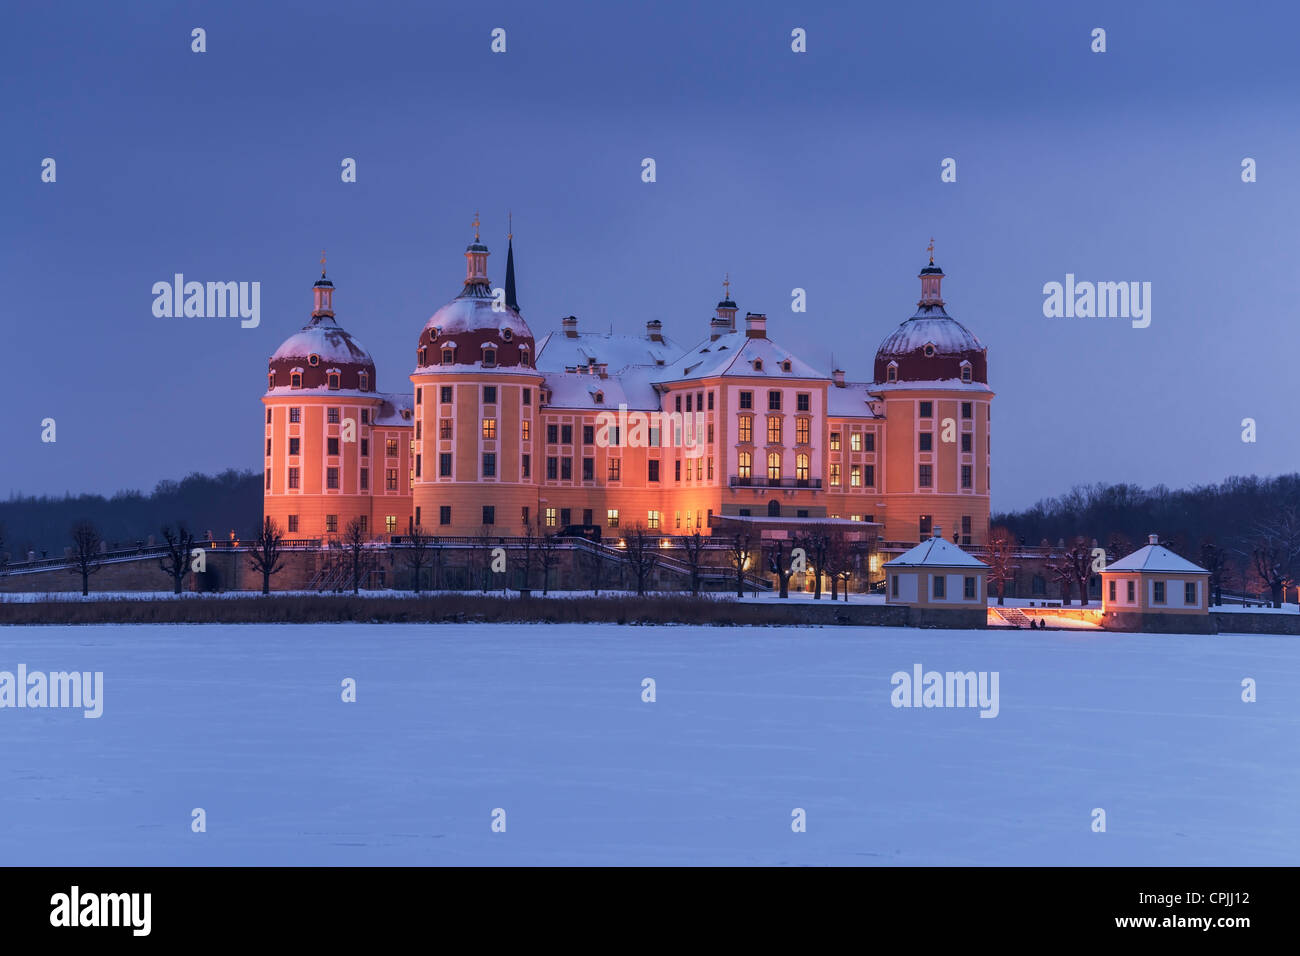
500	431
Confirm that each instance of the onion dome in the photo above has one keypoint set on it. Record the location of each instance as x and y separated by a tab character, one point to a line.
323	354
476	328
931	345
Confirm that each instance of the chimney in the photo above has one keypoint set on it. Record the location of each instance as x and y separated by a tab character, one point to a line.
837	376
938	532
569	326
1153	539
756	325
654	330
719	326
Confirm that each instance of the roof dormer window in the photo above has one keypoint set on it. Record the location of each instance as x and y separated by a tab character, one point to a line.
489	358
758	365
448	356
295	378
333	378
785	366
363	381
965	371
270	380
891	372
929	350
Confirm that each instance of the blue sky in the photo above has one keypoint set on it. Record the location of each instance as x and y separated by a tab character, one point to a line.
816	170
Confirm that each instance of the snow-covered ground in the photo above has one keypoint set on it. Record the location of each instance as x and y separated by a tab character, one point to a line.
547	723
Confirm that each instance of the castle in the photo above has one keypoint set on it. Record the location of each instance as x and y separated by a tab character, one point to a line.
500	432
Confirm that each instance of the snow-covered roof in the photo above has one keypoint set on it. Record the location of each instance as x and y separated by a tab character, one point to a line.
1154	558
323	337
851	401
733	355
930	326
469	313
936	553
936	385
390	412
631	387
559	351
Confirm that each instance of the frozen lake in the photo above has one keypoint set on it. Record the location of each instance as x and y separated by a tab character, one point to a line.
453	721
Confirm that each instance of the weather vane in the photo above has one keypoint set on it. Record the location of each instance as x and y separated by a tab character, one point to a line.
726	287
476	226
322	262
930	249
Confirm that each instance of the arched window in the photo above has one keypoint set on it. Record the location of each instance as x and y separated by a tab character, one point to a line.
295	380
801	467
423	355
363	379
746	465
774	509
334	380
523	355
774	466
891	373
965	371
489	357
270	380
448	356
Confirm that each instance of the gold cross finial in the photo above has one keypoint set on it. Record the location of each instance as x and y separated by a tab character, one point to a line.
930	249
726	287
476	226
322	262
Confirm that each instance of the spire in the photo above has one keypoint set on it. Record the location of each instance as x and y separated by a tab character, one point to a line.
322	294
931	277
476	277
511	302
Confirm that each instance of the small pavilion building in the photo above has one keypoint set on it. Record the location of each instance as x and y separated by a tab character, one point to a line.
937	574
1139	590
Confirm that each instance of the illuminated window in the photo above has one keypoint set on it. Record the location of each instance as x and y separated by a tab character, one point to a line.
611	517
390	447
835	474
489	428
855	476
550	517
801	467
855	441
652	519
390	523
745	464
615	469
774	430
774	466
390	479
526	429
835	441
746	431
802	431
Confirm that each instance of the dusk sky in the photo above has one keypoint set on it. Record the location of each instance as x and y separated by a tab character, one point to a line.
817	170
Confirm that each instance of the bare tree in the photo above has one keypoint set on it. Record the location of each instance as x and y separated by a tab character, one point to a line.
694	545
1080	556
4	555
482	561
548	554
816	543
1001	558
176	560
1061	568
1275	553
1215	560
738	550
265	558
354	544
530	546
779	562
839	562
86	549
418	553
641	552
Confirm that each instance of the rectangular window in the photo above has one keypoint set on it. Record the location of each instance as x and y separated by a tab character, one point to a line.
774	401
332	523
869	476
444	394
802	431
927	409
417	516
489	514
566	469
566	434
677	406
965	476
331	446
927	441
566	517
652	520
331	478
363	519
419	396
835	441
893	585
332	416
526	464
870	441
268	479
803	402
365	415
489	394
390	447
855	476
365	479
940	584
968	589
525	430
528	396
1131	591
927	526
489	464
295	414
552	434
611	517
444	514
489	428
926	477
745	432
966	442
293	524
677	470
615	469
774	430
652	470
1158	592
552	468
268	447
1113	588
966	410
390	479
1189	594
588	469
965	529
390	524
550	517
444	465
294	445
444	429
588	434
293	477
855	441
835	474
746	399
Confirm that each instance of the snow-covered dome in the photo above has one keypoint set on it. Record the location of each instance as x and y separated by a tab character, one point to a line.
931	345
472	329
321	349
